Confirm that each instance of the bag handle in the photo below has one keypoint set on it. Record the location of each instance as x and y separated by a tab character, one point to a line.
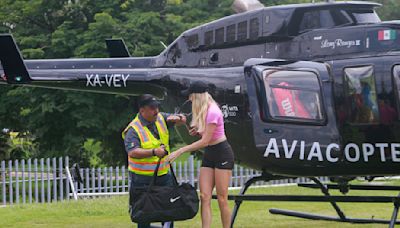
173	174
155	174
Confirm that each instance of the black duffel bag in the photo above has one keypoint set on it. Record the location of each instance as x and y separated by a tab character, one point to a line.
163	203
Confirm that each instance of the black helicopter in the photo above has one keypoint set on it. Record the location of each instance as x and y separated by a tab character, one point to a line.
306	90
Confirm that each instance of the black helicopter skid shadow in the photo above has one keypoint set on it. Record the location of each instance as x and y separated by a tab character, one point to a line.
326	198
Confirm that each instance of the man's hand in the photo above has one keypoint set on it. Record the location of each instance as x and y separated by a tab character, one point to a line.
160	151
177	119
183	118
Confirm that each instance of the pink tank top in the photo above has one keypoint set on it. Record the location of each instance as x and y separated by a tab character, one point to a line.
214	116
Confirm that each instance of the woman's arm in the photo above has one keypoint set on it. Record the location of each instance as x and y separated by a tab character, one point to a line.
203	142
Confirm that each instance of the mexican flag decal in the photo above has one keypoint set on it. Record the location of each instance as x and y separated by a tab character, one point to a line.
387	34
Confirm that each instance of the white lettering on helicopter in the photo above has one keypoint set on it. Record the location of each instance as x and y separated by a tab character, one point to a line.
352	151
229	111
109	80
340	43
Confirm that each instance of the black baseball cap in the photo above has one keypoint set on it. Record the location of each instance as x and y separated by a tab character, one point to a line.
148	100
195	87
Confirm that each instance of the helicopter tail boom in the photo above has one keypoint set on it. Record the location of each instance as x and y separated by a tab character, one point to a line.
133	76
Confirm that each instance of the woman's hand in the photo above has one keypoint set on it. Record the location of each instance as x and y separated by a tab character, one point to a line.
193	131
174	155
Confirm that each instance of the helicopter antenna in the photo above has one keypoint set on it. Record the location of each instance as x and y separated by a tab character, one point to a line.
162	43
240	6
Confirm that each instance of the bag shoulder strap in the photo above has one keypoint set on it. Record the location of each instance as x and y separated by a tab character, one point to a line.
155	175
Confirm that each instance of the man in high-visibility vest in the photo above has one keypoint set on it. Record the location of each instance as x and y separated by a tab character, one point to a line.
146	140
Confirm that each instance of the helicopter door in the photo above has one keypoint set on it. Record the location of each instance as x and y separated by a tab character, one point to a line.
292	111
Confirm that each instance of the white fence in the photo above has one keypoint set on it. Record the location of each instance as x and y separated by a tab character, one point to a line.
45	180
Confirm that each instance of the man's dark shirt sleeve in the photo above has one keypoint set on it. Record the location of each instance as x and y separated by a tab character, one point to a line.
131	140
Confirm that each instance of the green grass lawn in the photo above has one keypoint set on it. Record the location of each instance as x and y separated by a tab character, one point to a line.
113	212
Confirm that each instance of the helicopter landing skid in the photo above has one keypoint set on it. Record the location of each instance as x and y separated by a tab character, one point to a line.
307	198
342	217
263	177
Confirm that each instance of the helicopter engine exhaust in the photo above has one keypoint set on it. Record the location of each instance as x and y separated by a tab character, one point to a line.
240	6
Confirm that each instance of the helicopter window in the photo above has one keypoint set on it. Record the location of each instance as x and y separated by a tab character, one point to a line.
341	17
242	31
361	95
396	77
316	19
254	28
293	95
219	36
231	33
310	21
364	16
192	41
209	38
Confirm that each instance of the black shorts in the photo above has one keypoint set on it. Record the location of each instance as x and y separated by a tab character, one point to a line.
218	156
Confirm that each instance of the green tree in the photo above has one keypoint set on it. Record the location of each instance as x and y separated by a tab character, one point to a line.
104	26
4	154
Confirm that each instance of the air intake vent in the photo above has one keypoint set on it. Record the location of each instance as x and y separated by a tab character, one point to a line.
240	6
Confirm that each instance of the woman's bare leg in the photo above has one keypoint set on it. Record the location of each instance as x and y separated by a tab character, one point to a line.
222	179
206	187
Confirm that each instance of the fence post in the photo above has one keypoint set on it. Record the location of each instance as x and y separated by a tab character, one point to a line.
98	180
93	180
75	182
191	170
61	187
123	179
187	171
42	182
30	180
23	181
111	179
48	180
236	175
67	183
180	172
36	181
82	185
3	181
105	180
54	179
16	182
10	179
87	180
117	178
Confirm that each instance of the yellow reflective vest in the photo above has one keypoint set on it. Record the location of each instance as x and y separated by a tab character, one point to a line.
146	166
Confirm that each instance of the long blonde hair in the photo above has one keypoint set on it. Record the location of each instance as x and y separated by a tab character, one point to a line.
200	103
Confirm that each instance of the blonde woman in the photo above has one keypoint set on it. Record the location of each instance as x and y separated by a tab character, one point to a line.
218	160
